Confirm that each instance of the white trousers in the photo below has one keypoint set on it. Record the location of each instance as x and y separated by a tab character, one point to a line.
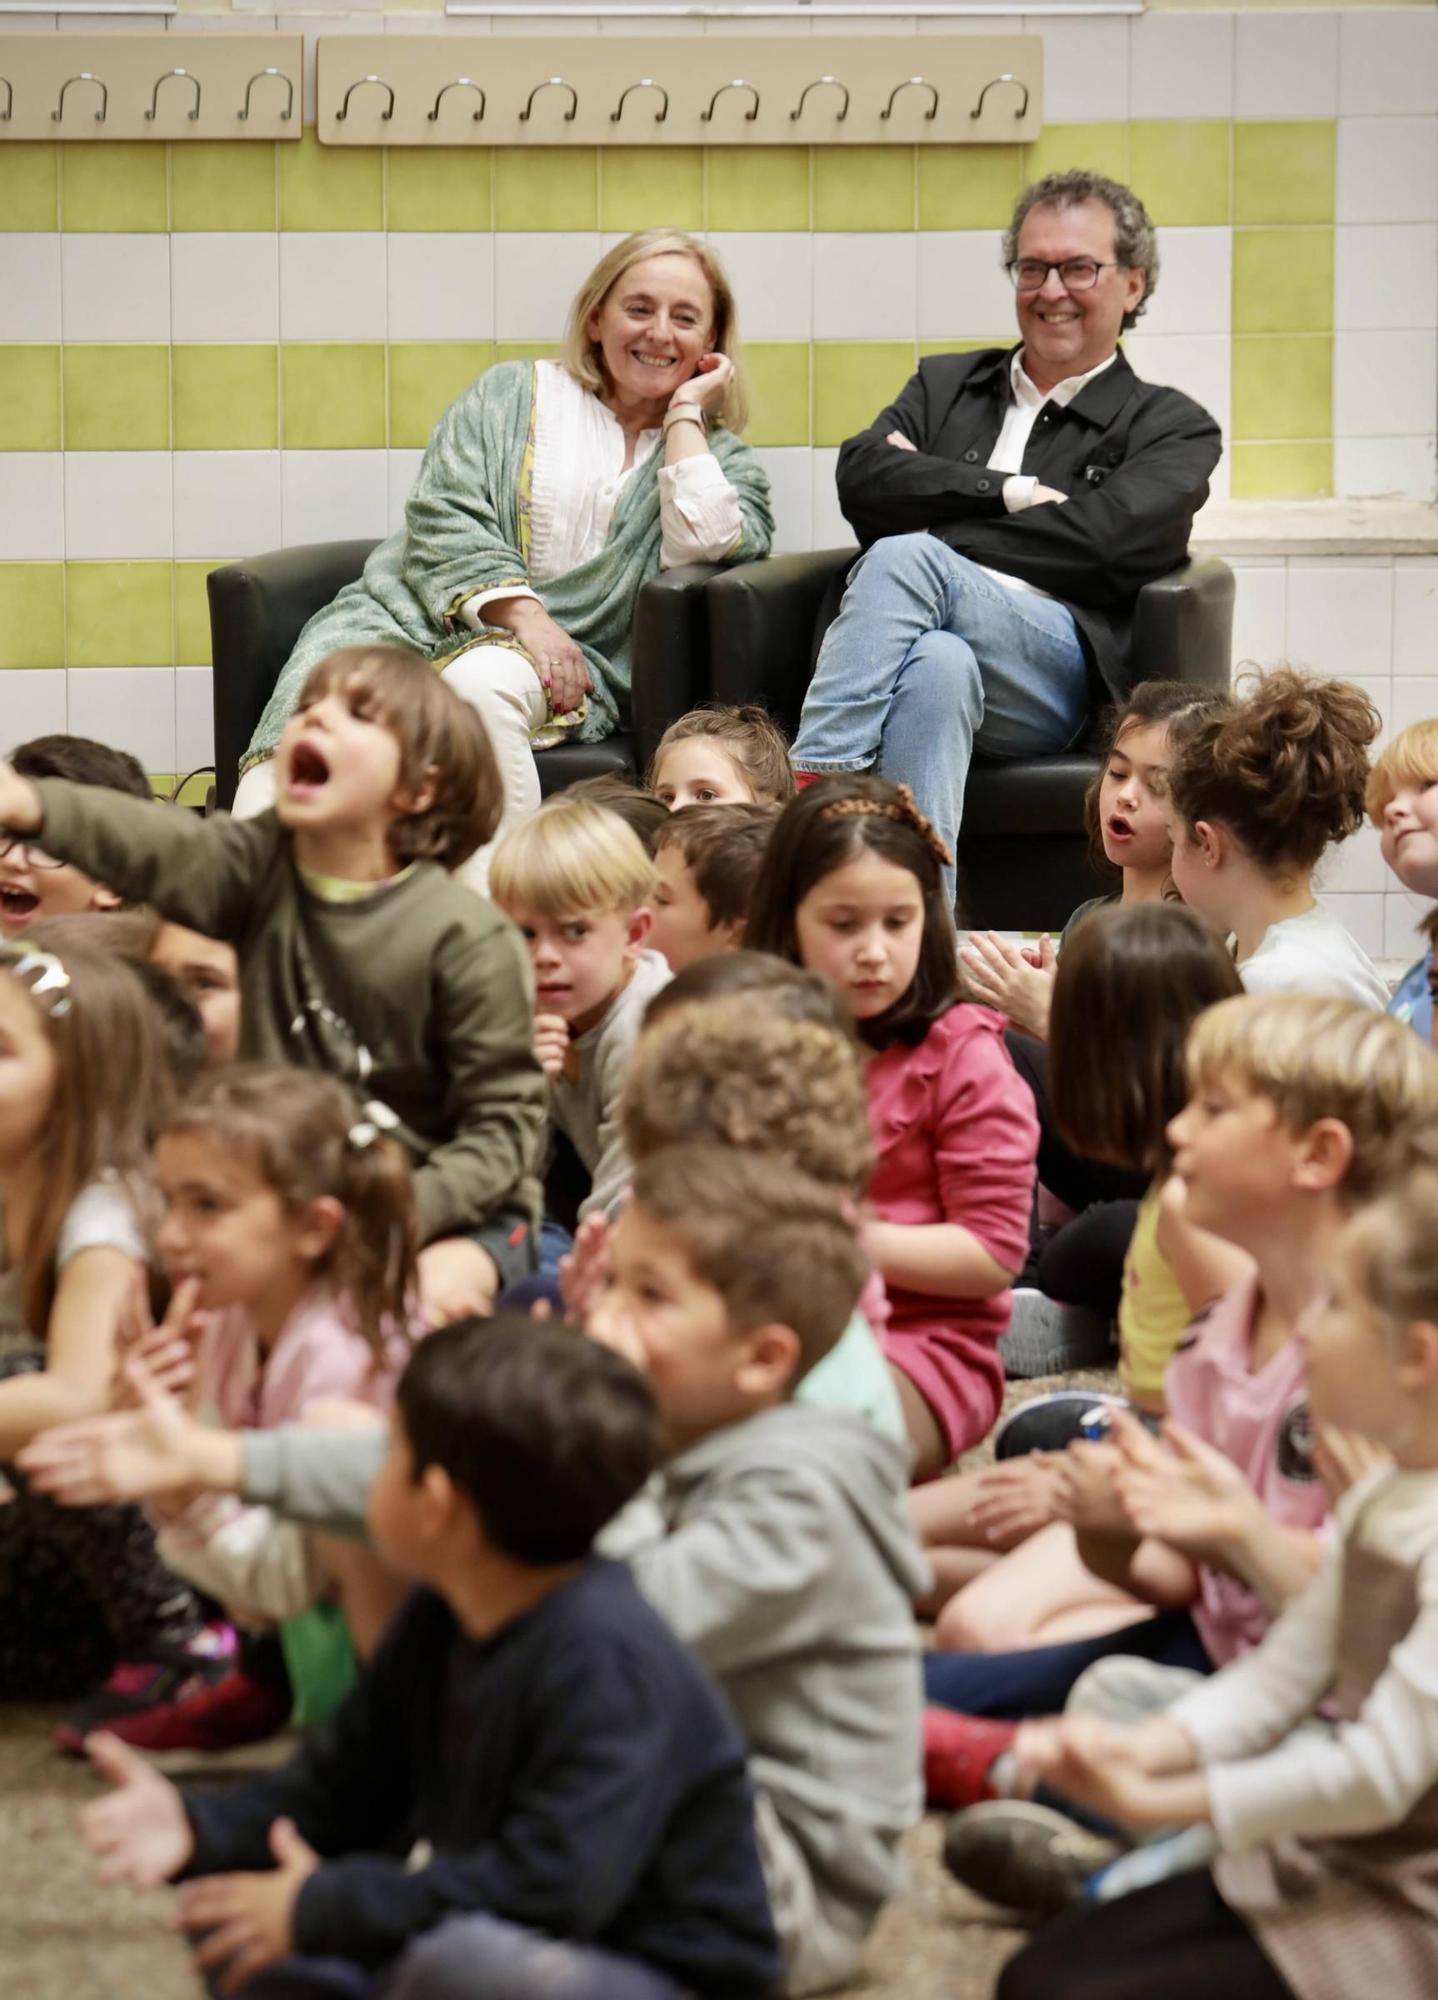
505	689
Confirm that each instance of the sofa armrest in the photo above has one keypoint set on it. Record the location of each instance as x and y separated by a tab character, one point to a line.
1183	626
258	609
765	626
669	653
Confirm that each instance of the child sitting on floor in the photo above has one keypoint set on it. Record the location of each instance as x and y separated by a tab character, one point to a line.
707	861
358	955
1403	805
577	1786
722	756
35	883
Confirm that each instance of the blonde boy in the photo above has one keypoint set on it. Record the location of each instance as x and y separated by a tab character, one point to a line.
1403	804
576	881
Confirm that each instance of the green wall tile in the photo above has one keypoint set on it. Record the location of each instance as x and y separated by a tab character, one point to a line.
331	187
192	614
1282	280
968	187
1179	169
779	380
110	187
1101	148
223	185
225	398
526	350
424	379
1282	388
853	381
1281	471
30	399
29	186
759	187
864	187
449	190
546	187
1284	173
118	614
117	398
641	187
32	614
333	397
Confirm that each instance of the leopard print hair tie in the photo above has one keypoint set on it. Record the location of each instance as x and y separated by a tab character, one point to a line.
904	809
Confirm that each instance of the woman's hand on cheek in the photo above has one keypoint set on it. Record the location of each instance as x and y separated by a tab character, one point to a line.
708	386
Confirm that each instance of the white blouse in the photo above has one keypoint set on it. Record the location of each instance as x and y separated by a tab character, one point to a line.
579	480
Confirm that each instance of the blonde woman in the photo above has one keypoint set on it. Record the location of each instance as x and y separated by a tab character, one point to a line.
550	492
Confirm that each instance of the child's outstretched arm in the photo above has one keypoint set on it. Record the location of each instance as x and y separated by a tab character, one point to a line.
90	1296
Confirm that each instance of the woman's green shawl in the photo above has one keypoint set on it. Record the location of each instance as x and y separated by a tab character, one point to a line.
467	528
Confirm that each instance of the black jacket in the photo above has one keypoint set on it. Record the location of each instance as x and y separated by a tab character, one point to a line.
1133	459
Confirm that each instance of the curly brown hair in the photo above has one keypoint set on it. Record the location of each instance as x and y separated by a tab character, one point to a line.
1285	768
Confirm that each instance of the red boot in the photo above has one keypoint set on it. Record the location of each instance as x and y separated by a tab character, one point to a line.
959	1753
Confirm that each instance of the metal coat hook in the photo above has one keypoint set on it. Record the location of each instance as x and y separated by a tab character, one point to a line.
359	84
461	83
737	84
798	111
909	81
9	100
84	76
288	82
644	83
552	83
1007	77
155	94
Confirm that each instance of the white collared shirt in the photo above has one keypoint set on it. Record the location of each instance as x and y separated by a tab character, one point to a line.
1025	402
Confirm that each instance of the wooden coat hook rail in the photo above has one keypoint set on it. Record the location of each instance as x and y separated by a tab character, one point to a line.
431	90
160	86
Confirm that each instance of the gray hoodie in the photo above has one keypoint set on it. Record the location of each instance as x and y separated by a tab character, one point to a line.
780	1550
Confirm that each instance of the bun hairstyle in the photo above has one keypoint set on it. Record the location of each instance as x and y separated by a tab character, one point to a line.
1284	768
1178	704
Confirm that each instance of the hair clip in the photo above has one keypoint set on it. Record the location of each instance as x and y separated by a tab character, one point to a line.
45	976
378	1121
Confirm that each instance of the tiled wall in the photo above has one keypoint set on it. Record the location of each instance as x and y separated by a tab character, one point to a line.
210	350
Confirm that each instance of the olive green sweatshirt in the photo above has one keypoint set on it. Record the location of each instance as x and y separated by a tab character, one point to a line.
419	995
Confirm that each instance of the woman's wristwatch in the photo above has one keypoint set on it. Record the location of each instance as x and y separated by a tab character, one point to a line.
686	413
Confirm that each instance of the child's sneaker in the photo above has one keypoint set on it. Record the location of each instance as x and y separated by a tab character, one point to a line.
1052	1422
136	1685
959	1754
1047	1338
1024	1856
225	1723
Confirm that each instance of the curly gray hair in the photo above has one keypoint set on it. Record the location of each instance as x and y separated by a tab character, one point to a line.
1135	244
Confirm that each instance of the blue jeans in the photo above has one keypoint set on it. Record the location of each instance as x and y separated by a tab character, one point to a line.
1038	1680
931	659
469	1958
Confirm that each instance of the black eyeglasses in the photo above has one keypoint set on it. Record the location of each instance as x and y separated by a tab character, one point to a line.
1076	274
36	856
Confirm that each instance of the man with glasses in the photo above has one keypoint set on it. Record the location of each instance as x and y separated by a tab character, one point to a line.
1011	505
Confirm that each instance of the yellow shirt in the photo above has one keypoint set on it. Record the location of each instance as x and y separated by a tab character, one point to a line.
1153	1314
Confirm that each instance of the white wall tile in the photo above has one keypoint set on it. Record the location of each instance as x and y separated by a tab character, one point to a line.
333	495
225	286
1388	170
773	276
790	495
831	530
1385	275
1390	60
29	287
1415	616
115	287
1415	699
1260	615
402	472
1363	918
1370	468
118	503
1201	364
1181	66
964	291
131	708
332	286
194	719
1195	283
32	507
34	705
441	287
227	503
1286	66
1403	914
1384	385
535	277
1340	618
866	287
1356	867
1085	70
